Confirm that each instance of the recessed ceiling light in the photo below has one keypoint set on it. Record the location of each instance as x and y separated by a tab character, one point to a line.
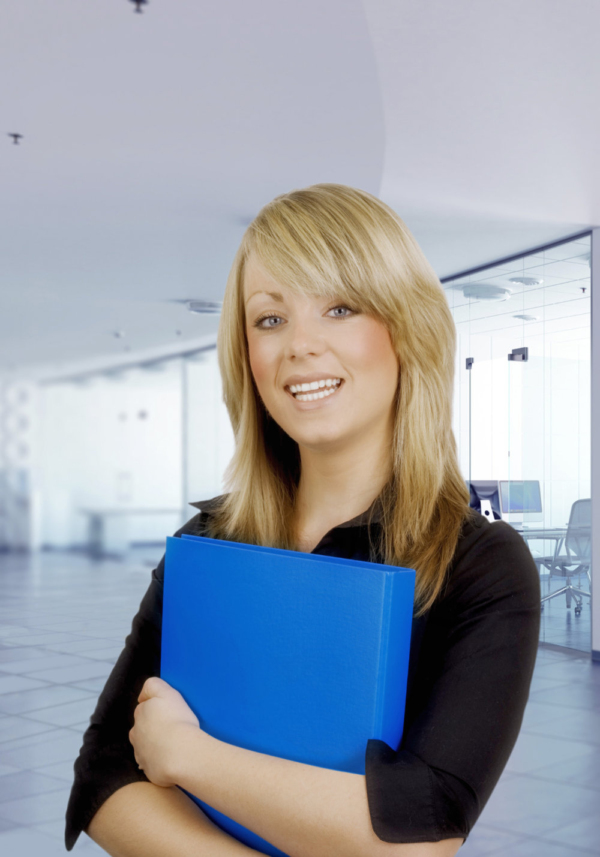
526	281
484	292
205	307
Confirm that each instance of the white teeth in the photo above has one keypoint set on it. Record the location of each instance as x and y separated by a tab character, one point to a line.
309	397
315	385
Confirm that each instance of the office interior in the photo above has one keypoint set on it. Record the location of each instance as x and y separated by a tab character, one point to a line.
128	185
88	501
144	440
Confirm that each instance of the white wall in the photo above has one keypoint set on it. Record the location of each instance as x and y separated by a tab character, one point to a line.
110	444
210	441
144	440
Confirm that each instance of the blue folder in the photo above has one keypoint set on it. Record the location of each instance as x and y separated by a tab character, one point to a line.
293	654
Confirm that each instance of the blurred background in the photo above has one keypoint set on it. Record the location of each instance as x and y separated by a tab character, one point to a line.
138	142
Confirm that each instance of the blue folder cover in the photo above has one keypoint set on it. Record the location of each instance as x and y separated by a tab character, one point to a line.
292	654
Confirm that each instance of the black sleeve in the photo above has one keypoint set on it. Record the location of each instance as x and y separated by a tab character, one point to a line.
106	761
472	683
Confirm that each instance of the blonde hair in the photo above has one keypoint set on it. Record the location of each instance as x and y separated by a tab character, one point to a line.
329	239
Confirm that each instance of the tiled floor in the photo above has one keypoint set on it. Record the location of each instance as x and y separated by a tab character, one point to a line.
56	649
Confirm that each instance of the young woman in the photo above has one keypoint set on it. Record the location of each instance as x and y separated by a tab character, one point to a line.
329	289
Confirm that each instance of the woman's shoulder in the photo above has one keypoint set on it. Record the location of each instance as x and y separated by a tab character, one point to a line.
477	532
492	561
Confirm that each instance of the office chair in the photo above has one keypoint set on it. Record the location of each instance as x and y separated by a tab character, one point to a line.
578	544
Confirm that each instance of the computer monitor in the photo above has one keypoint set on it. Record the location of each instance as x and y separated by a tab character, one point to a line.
485	498
521	497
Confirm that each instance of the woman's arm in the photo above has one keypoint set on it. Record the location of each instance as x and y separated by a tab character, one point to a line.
144	820
304	810
468	694
418	802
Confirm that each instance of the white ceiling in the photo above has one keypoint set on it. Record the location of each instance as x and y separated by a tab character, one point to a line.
558	305
151	139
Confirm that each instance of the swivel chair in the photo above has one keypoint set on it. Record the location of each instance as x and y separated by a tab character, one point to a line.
577	559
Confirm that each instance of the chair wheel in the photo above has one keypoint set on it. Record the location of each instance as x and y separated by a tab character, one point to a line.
577	611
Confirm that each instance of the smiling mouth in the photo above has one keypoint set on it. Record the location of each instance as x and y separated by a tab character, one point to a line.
315	395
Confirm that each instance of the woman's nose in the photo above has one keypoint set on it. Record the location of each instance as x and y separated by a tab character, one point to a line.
303	338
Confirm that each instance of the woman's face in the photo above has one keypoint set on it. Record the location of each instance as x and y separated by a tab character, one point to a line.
296	339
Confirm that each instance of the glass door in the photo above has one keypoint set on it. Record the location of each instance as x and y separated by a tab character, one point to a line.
522	416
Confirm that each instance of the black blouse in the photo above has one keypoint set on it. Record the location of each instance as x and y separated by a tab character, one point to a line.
471	662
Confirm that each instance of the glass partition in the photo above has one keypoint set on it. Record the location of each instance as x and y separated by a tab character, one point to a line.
122	453
522	415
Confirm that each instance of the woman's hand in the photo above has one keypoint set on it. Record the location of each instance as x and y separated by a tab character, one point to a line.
164	724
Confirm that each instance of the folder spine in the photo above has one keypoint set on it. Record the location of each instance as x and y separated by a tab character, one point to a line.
382	672
397	631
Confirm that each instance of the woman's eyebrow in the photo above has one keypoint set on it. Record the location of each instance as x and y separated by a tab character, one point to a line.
275	295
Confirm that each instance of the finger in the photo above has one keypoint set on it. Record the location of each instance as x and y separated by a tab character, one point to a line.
144	693
153	686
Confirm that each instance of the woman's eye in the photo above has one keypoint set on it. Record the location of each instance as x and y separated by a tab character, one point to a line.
341	306
260	321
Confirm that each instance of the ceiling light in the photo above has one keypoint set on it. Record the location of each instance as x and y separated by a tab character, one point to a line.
206	307
484	292
526	281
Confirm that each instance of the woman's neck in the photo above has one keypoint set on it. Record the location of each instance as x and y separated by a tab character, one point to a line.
336	488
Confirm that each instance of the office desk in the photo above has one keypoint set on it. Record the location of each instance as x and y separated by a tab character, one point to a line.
556	534
97	528
553	533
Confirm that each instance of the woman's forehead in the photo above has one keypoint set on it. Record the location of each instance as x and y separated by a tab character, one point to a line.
256	275
258	280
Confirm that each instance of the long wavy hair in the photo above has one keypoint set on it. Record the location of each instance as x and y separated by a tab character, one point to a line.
329	240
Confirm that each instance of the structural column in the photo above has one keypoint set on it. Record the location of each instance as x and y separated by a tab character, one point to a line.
595	434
